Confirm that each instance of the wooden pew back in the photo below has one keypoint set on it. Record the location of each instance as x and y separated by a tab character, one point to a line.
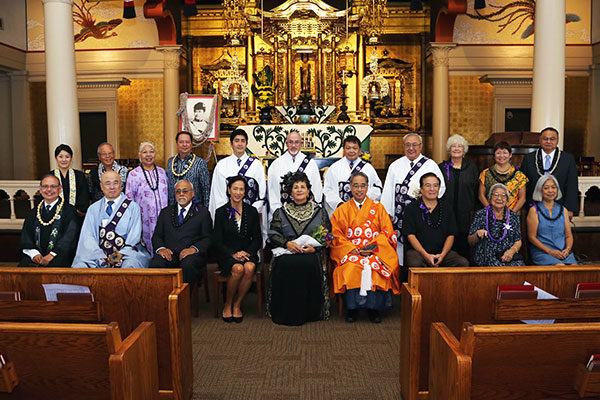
458	295
129	297
80	361
510	361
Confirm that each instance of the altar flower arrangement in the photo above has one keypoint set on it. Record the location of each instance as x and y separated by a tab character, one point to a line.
366	156
322	235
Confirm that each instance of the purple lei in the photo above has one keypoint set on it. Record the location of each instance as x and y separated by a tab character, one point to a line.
231	212
487	227
424	211
448	165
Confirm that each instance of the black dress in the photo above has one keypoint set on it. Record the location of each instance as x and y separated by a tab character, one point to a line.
227	239
298	291
82	194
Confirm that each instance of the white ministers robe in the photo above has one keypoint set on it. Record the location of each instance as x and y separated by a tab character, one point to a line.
397	172
229	167
90	255
281	166
340	171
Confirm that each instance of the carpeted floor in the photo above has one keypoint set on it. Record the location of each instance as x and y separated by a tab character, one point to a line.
321	360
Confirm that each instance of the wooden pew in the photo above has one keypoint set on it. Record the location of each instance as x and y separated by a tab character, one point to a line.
129	297
80	361
458	295
509	361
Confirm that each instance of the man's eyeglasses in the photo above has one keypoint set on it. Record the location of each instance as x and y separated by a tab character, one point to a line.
184	191
50	186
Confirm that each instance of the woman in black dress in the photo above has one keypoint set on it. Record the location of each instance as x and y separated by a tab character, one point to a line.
298	290
237	239
74	184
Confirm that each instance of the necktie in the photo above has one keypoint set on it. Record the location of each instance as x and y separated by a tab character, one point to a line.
412	164
351	165
181	215
48	207
109	209
548	163
359	206
239	161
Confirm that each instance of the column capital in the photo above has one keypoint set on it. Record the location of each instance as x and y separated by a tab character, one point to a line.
440	51
171	55
69	2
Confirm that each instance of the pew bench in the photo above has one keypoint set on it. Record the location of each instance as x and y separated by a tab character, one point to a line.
80	361
509	361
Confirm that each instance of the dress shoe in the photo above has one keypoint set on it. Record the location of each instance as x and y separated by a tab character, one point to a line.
374	316
227	319
351	316
238	320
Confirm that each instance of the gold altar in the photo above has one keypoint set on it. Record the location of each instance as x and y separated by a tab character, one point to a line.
309	46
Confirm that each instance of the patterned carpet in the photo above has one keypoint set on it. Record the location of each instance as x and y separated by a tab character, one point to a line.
321	360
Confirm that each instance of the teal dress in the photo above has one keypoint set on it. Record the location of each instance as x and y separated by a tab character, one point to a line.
551	232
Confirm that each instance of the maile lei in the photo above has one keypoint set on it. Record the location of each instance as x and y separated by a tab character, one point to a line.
539	164
488	211
54	222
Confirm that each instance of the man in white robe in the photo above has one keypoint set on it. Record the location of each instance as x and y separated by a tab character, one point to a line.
336	189
402	183
112	230
239	163
291	161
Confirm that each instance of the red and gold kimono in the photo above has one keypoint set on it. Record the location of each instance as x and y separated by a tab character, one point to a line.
355	229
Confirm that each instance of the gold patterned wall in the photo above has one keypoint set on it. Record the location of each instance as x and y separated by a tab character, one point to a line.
141	117
576	114
471	108
39	128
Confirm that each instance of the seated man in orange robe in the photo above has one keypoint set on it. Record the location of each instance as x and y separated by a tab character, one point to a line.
364	253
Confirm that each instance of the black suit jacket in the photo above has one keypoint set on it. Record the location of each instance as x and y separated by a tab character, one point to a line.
227	240
195	230
565	173
68	233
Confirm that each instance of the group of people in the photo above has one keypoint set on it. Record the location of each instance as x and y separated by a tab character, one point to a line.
150	217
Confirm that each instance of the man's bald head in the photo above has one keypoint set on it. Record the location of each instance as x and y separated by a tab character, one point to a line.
110	183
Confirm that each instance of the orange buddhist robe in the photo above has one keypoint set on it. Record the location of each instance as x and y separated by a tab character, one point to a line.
352	230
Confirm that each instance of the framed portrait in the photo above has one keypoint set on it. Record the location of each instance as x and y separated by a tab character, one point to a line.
201	117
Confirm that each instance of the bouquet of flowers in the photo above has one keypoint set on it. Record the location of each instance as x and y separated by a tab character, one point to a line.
322	235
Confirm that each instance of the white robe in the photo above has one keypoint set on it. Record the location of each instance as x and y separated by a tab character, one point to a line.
396	174
228	167
281	166
90	255
340	171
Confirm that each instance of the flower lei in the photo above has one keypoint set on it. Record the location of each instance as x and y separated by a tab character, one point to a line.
539	165
426	215
539	211
506	225
72	185
187	168
56	213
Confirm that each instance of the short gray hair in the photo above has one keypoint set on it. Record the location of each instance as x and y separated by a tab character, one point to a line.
498	186
144	144
457	140
537	192
104	144
359	173
412	134
184	180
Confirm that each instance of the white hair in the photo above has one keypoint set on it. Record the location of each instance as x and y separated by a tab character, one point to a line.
144	144
457	140
104	144
498	186
537	192
412	134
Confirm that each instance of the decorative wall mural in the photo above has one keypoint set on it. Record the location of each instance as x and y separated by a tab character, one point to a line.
82	16
514	15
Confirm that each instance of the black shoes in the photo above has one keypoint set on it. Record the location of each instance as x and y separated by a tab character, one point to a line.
351	316
228	319
374	316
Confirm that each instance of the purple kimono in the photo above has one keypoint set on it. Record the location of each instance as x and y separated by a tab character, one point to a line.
150	195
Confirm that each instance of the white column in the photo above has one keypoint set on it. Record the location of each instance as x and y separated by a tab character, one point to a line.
61	79
441	96
171	56
548	99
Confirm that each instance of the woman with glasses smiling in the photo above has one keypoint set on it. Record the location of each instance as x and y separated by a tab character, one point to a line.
496	231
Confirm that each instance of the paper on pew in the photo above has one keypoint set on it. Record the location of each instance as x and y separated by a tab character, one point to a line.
542	294
52	289
301	241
